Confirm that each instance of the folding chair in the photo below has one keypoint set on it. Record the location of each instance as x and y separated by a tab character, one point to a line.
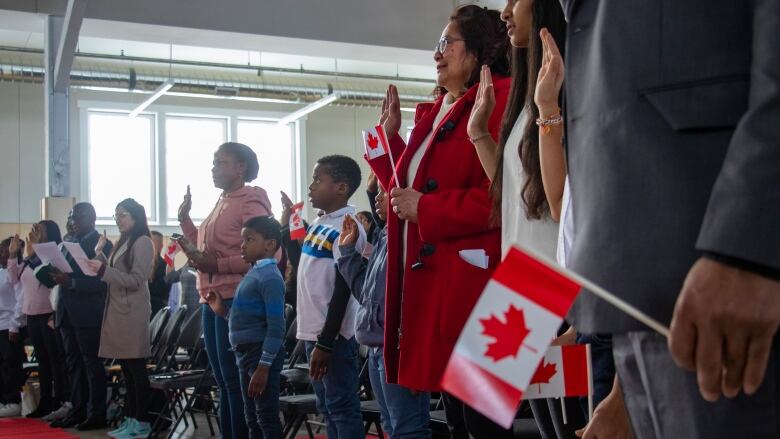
178	376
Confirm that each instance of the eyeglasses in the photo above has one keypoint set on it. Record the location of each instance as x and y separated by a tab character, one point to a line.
122	215
441	46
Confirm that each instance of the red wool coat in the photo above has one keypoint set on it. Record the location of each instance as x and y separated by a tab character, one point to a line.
427	307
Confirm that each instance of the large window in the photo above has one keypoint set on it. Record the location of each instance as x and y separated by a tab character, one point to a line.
273	145
121	161
190	143
154	156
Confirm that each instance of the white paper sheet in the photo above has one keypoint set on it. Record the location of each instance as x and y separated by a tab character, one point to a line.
475	257
80	257
50	253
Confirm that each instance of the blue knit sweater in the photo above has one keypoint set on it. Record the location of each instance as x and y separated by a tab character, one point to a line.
257	312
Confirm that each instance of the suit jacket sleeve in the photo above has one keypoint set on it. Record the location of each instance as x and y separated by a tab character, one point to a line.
143	252
92	284
741	220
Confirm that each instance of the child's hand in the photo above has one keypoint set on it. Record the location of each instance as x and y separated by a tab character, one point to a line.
258	382
318	366
215	303
349	232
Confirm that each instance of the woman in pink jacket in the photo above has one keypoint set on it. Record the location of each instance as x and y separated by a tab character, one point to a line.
217	257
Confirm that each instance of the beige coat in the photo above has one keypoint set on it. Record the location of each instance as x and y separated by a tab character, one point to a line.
125	331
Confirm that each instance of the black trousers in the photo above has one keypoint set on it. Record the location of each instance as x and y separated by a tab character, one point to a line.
462	420
86	372
138	389
51	371
12	358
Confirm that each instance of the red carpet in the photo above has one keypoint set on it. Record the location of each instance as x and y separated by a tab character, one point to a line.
21	428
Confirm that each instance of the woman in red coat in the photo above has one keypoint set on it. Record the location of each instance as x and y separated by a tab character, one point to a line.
441	207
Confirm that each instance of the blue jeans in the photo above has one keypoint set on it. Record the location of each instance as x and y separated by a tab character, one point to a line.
404	415
223	363
262	414
602	366
337	392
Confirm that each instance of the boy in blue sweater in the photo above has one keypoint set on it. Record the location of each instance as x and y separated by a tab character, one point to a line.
256	325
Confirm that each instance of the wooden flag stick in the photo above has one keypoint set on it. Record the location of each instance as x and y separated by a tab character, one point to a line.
602	293
563	410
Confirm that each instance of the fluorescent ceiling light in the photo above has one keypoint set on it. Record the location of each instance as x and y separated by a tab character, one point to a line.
164	87
316	105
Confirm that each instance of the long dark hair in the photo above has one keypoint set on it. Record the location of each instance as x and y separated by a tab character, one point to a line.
140	228
52	231
525	71
485	36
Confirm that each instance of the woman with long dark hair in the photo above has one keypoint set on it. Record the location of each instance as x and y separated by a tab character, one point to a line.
441	206
124	335
517	188
36	305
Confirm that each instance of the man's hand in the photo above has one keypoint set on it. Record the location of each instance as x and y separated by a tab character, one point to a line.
62	279
405	203
610	419
318	366
13	337
258	382
287	205
723	325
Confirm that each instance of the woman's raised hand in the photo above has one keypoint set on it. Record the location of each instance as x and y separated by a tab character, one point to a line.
484	105
550	79
101	244
186	205
391	112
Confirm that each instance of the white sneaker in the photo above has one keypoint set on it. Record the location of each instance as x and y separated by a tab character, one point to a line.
60	413
11	411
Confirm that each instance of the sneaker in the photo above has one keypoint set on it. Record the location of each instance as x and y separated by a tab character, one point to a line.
11	411
139	430
127	424
60	413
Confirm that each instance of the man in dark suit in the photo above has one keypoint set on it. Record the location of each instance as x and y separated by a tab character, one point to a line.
79	316
673	148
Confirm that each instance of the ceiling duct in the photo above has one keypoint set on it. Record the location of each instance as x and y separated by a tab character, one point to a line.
213	80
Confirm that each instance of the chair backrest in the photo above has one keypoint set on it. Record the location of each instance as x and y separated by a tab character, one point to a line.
157	324
169	336
190	331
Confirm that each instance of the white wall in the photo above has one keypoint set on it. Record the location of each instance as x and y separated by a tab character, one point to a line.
331	130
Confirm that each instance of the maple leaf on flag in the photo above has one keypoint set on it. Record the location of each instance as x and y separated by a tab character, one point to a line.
372	141
509	335
544	373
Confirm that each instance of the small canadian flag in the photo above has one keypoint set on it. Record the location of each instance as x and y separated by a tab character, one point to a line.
170	252
375	142
507	335
564	371
297	229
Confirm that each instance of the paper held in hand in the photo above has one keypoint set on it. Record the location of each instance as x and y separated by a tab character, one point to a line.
80	257
50	253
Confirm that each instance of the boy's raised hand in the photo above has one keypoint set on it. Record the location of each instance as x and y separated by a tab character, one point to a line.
258	382
349	232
